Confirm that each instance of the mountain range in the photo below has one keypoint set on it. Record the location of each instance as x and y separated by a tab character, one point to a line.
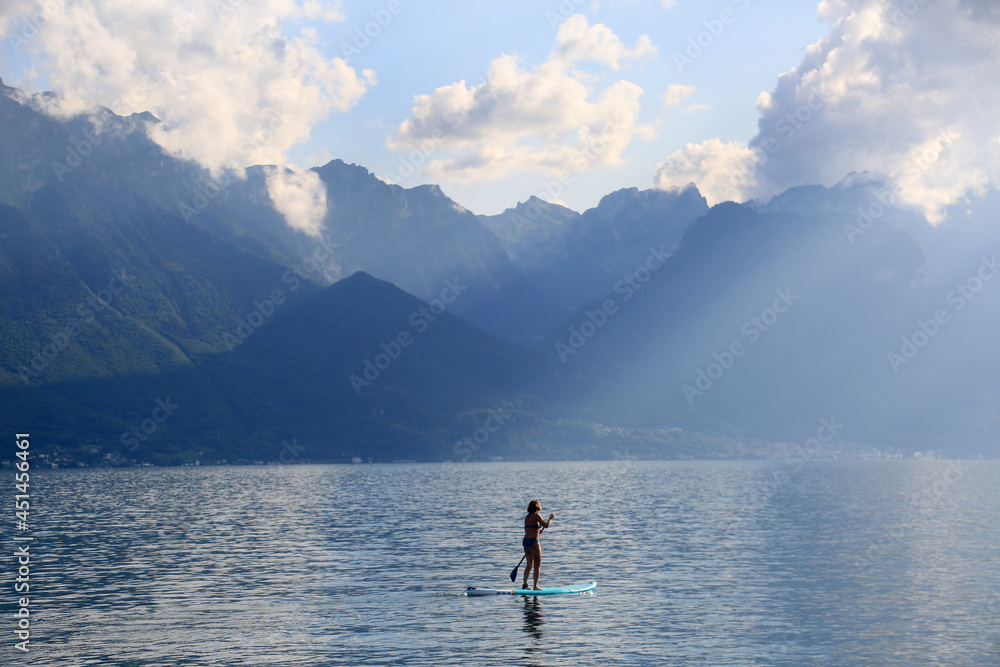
153	311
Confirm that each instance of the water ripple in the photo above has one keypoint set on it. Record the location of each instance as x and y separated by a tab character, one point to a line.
889	563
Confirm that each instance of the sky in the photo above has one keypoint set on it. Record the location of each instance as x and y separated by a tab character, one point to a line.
498	101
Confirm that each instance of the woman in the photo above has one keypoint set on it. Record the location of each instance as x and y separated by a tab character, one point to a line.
532	549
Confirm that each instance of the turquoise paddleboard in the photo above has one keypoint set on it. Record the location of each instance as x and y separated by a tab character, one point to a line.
579	588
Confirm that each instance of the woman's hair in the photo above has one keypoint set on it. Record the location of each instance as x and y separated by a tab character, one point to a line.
534	506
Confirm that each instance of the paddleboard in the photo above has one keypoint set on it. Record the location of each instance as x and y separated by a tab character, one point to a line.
579	588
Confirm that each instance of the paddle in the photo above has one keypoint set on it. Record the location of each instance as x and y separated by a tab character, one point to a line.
513	573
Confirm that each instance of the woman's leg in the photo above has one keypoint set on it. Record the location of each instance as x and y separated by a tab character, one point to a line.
536	552
529	560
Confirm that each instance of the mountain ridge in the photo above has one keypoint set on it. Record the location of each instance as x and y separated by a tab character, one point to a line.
116	297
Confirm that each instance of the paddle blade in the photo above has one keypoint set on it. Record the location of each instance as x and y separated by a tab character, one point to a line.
513	573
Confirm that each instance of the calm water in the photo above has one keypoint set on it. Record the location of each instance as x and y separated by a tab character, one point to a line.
881	563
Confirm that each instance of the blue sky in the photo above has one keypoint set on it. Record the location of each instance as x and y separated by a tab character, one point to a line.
422	50
495	100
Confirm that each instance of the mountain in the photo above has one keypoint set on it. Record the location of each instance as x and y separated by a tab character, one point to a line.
136	286
152	311
106	303
532	230
771	317
416	238
575	258
365	369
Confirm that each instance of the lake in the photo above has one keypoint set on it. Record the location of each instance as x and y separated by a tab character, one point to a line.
697	563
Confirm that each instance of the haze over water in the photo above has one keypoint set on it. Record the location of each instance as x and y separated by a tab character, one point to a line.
730	563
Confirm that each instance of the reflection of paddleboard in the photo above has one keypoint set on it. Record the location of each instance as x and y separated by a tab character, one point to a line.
579	588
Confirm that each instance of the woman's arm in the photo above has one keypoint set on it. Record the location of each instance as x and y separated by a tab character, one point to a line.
546	523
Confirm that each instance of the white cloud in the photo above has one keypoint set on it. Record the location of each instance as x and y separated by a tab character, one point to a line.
668	4
549	118
909	95
238	82
328	11
697	107
578	41
721	171
300	197
677	94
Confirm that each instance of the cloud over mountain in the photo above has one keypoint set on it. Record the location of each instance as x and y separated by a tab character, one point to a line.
720	170
551	117
238	82
904	89
300	197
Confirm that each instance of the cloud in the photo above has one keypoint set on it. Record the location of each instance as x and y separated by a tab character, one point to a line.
668	4
314	9
720	170
578	41
548	118
677	94
904	89
236	82
300	197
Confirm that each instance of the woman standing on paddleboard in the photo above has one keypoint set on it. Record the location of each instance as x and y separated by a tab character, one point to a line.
533	526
